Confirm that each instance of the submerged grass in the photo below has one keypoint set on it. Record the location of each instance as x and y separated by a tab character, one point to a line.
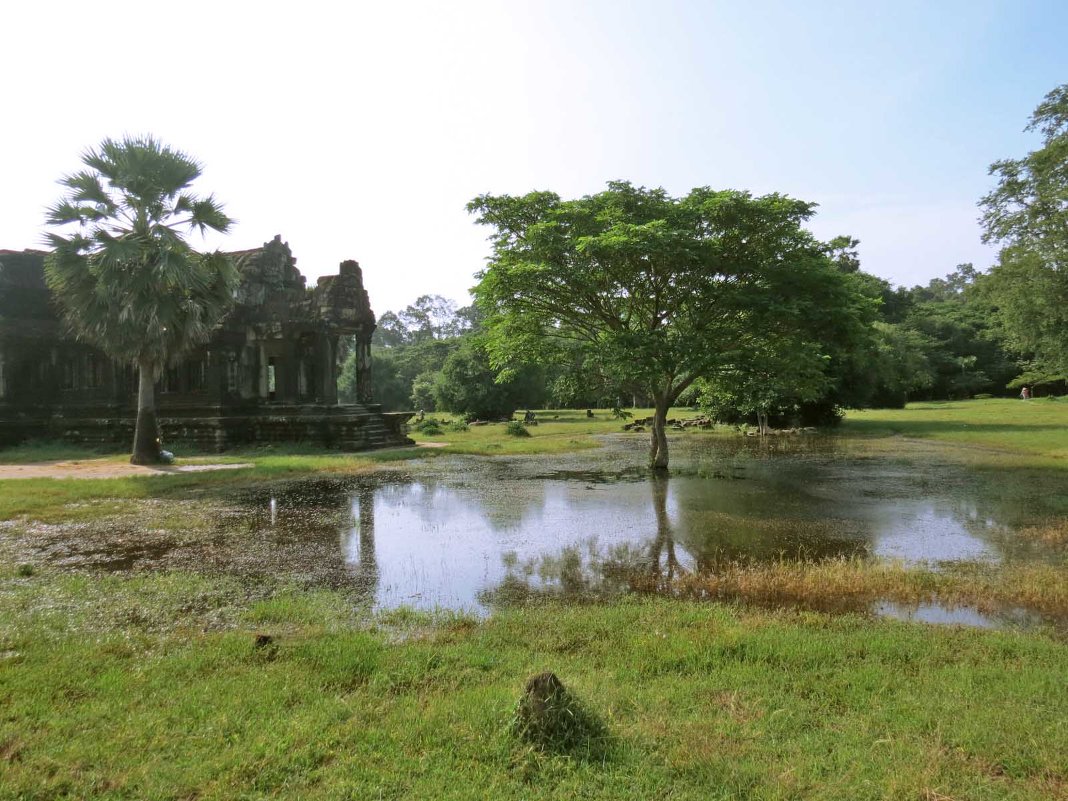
851	583
696	701
1051	532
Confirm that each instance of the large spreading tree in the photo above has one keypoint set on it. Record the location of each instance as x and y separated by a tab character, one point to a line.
1028	213
662	291
126	279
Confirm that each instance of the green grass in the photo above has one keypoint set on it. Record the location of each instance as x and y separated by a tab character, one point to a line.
49	451
1032	428
557	431
699	701
70	500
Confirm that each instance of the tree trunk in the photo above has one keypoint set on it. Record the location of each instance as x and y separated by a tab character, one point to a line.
658	446
147	447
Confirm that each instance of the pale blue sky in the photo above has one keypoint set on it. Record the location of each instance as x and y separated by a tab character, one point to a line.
361	131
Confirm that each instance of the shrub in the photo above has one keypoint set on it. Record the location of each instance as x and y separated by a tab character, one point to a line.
516	429
430	427
982	396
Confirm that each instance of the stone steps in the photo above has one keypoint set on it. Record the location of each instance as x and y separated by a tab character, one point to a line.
347	428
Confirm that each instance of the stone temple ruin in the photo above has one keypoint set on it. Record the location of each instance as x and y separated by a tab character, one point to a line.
268	375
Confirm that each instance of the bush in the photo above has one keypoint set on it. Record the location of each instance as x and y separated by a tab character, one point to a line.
982	396
430	427
468	385
516	429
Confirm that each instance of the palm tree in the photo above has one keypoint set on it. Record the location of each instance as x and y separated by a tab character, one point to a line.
125	278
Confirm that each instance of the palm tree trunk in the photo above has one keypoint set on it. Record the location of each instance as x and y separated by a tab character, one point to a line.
146	449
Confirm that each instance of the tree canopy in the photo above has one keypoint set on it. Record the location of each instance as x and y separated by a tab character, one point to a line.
1028	213
662	290
126	279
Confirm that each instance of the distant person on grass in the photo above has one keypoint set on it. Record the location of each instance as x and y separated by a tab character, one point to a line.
1025	394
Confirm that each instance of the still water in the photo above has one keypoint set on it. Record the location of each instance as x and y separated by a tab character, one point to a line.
466	533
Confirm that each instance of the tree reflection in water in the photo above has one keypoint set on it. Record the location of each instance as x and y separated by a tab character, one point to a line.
589	573
664	543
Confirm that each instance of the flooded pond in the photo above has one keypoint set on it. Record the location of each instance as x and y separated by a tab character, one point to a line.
466	532
459	531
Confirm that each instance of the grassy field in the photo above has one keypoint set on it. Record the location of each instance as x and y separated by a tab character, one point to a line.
151	684
1036	427
558	430
132	699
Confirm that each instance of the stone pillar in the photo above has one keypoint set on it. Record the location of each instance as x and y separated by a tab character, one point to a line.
364	390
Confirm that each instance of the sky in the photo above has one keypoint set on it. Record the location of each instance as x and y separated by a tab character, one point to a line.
361	130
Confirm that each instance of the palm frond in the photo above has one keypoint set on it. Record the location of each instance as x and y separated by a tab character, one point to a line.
127	280
208	213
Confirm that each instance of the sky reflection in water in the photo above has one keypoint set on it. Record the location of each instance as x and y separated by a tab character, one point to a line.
462	526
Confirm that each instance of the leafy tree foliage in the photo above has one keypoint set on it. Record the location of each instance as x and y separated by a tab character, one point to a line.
781	377
896	366
1029	206
469	385
1028	212
391	332
1029	295
409	349
935	341
963	352
662	290
125	277
424	390
429	317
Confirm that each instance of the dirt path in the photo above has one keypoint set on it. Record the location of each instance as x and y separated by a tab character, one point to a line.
103	468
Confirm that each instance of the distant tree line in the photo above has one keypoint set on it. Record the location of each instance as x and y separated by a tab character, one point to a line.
934	342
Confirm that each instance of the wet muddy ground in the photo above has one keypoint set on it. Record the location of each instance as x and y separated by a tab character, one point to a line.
466	533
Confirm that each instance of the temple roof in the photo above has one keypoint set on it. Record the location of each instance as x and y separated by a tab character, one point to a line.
272	290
